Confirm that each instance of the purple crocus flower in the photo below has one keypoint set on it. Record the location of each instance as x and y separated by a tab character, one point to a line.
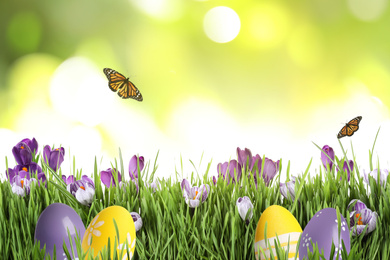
33	144
22	153
325	160
31	168
346	169
137	220
214	180
227	169
269	171
68	180
107	177
53	158
21	186
256	160
374	174
193	195
11	173
244	205
42	178
360	217
288	189
25	171
133	168
83	190
245	158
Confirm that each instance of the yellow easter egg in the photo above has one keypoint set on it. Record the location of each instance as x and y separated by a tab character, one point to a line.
280	223
102	227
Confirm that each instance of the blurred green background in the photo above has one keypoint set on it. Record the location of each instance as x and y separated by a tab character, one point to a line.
272	76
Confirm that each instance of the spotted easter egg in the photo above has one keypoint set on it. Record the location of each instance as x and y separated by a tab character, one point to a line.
102	227
323	230
281	224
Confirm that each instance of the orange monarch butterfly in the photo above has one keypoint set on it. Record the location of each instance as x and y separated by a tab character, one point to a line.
350	128
117	81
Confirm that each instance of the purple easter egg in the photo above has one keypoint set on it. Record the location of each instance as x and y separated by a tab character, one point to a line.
52	225
323	229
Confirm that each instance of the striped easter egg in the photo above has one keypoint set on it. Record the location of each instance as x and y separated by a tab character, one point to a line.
281	224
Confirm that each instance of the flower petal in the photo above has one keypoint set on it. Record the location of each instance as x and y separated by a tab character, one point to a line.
244	157
358	206
366	215
186	188
244	205
221	169
206	189
234	169
256	163
372	223
105	177
193	203
85	178
283	189
46	154
18	190
137	220
270	170
327	150
358	229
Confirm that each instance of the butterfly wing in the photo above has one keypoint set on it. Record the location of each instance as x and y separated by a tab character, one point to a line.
115	79
125	88
129	90
342	133
355	121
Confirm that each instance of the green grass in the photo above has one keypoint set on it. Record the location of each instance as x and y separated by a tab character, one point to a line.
214	230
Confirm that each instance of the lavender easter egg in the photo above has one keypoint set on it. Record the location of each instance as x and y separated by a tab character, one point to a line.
323	230
53	226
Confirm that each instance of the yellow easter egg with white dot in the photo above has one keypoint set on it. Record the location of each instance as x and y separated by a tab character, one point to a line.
102	227
281	224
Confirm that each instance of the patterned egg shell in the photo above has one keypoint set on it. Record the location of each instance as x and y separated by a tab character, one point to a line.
102	227
280	223
323	230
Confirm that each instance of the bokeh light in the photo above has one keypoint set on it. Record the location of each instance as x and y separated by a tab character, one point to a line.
269	23
77	91
82	140
221	24
367	10
168	10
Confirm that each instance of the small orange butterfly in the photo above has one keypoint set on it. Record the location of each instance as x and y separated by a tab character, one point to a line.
118	82
350	128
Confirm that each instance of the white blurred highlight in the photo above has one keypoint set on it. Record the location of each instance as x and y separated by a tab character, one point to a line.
80	91
221	24
84	143
367	10
169	10
199	125
202	126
